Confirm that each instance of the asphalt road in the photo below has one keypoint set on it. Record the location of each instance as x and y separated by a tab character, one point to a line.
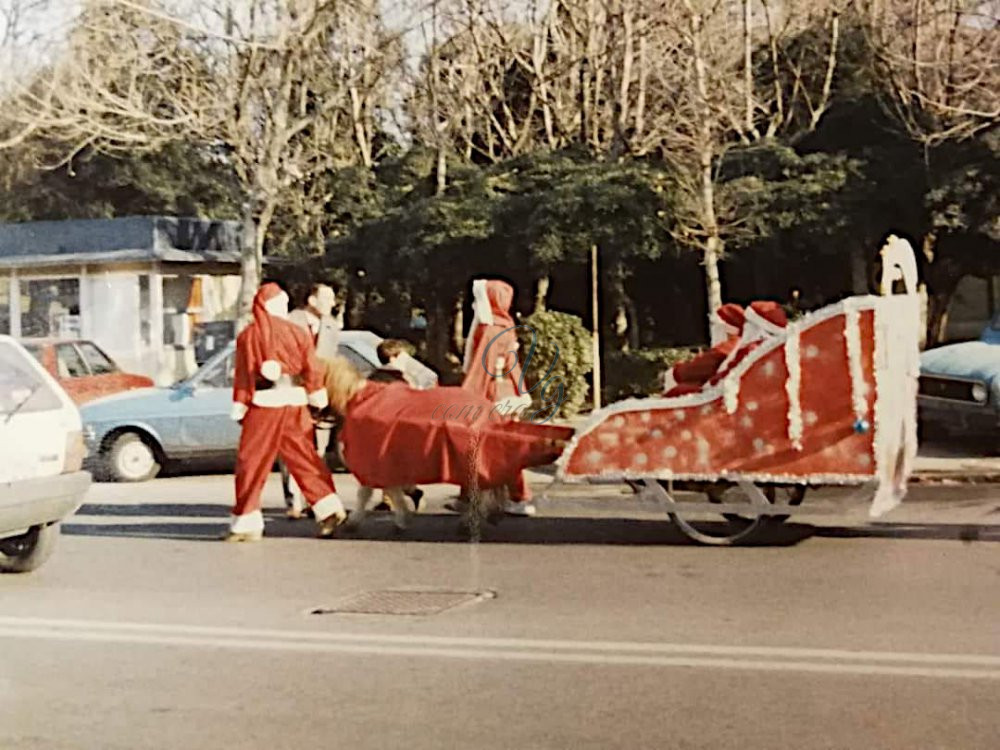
598	627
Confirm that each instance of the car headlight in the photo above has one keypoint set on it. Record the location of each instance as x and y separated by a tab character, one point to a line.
979	393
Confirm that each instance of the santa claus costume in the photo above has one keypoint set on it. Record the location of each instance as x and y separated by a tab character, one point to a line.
491	367
277	376
692	375
761	321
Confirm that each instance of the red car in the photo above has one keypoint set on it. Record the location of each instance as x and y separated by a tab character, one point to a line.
83	369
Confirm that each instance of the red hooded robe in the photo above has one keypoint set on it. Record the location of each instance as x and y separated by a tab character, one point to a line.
492	336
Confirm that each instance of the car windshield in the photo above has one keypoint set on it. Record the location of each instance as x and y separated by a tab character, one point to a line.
217	372
99	362
22	388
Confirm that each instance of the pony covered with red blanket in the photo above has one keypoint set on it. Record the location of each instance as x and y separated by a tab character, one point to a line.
394	436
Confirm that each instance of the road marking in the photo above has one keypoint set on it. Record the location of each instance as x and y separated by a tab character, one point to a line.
622	653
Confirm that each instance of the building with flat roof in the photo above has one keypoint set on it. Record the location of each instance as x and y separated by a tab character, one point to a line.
139	287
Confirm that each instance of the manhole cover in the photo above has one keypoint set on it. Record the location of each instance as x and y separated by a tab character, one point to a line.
403	602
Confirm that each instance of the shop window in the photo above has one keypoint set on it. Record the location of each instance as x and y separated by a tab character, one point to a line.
5	326
145	312
50	308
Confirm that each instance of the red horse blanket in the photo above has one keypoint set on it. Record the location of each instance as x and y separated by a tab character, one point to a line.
394	435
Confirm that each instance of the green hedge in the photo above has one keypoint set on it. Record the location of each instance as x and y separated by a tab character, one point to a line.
637	373
558	341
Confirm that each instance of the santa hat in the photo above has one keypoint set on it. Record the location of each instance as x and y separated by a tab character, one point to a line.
768	317
266	298
732	317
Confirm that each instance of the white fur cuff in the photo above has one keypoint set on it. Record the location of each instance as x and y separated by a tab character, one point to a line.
669	381
271	369
327	506
319	399
247	523
238	411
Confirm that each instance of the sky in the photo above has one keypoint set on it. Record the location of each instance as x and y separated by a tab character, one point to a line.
31	29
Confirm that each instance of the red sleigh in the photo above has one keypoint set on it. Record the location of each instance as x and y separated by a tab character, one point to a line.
831	401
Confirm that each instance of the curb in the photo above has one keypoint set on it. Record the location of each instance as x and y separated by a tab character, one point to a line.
945	477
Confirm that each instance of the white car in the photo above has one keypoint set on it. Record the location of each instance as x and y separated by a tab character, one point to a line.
42	449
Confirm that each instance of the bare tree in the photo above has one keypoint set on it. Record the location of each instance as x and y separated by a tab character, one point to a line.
722	96
939	62
284	89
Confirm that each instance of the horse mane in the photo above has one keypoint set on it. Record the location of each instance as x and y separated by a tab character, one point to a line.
342	382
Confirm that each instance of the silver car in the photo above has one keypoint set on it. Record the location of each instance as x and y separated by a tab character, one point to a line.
132	435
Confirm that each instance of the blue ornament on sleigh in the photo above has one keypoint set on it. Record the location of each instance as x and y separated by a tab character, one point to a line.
862	426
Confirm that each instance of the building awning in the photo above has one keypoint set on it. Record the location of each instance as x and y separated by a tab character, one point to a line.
126	240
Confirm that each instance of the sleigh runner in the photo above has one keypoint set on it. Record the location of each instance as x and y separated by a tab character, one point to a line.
831	400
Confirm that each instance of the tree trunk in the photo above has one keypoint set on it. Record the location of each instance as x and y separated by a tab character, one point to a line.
595	318
937	315
633	324
441	173
860	283
356	309
251	261
713	284
542	293
620	297
437	332
458	324
706	152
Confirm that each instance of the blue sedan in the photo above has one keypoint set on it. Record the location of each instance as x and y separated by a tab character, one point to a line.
132	435
960	386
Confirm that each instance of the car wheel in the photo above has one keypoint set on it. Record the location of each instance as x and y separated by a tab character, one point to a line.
24	553
131	459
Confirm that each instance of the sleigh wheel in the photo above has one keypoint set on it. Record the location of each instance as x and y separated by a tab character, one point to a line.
784	494
724	529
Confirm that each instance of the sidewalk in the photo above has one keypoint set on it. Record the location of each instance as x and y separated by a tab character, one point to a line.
936	463
933	466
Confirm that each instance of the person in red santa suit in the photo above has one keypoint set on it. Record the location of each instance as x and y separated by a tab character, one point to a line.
492	370
762	320
691	376
273	356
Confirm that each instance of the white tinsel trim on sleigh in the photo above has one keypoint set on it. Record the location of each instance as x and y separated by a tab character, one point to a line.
896	366
731	392
859	387
793	387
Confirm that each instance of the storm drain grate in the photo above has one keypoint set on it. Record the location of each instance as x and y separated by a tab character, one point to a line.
389	602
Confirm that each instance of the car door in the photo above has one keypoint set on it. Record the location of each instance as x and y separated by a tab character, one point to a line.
34	419
203	406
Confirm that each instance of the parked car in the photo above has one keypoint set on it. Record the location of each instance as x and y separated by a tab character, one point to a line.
131	436
41	442
83	369
960	386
